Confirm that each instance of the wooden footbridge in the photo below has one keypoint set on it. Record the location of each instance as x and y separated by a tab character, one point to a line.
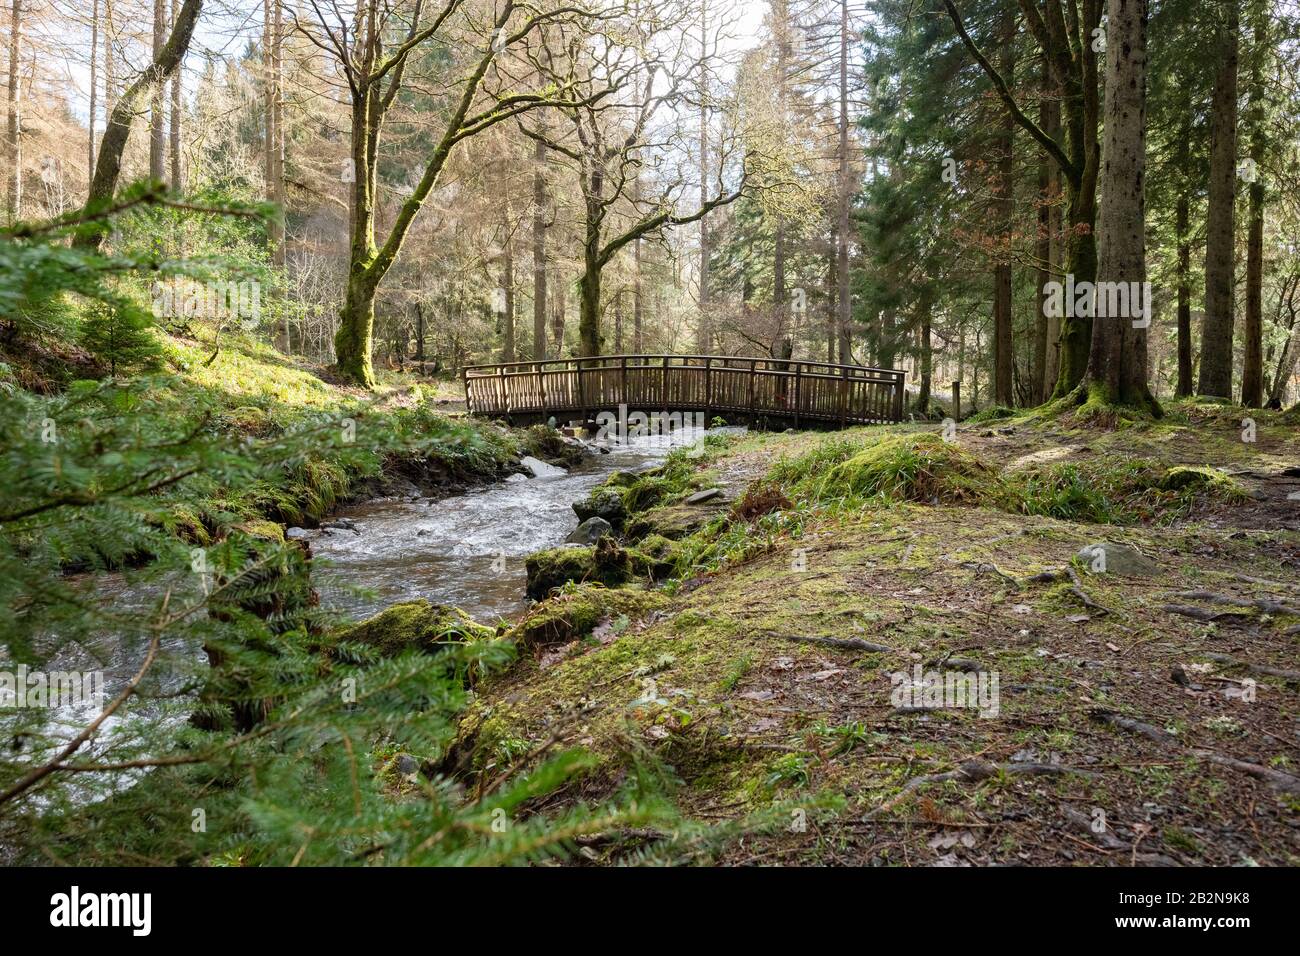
756	391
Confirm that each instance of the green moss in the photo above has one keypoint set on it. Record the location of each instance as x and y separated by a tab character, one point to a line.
646	492
1182	477
994	413
656	556
574	613
671	522
186	523
603	502
250	420
414	624
260	529
918	467
603	563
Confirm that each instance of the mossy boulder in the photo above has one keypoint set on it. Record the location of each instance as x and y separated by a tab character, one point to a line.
916	467
1107	557
605	562
604	502
260	530
566	617
625	494
646	492
994	413
414	624
249	420
673	522
589	532
656	556
1183	477
547	444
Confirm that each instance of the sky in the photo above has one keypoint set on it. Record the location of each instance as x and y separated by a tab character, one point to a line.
226	28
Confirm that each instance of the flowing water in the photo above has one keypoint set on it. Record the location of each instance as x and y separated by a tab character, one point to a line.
469	549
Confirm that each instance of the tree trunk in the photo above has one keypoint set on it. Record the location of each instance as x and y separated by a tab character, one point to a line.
1217	327
637	304
1182	226
118	128
1043	247
843	303
275	187
157	114
508	296
1252	370
704	338
419	335
589	294
781	25
557	319
832	284
355	336
15	193
887	354
177	178
110	72
1117	365
1074	67
94	89
925	308
1003	214
539	251
618	323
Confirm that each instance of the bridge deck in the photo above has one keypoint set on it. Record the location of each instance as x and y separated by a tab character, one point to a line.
753	389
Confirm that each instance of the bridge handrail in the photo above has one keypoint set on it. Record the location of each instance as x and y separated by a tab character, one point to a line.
529	367
859	393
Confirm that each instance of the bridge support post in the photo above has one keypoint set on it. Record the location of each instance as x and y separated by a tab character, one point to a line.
844	396
708	391
541	390
664	390
798	378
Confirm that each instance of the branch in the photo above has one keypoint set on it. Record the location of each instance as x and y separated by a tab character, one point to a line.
1051	146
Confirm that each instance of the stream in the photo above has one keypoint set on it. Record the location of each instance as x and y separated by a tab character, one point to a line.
469	549
466	549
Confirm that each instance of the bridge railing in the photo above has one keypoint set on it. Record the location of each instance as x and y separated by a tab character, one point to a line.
799	391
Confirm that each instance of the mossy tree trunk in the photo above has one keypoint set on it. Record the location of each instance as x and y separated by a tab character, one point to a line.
1074	69
375	78
1220	237
1117	365
1252	370
112	146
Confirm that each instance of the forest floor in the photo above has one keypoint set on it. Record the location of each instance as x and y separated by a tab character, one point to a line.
1144	713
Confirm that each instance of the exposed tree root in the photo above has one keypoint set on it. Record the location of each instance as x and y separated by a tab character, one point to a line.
844	643
1209	617
1275	778
1256	668
1133	726
1076	586
1264	605
973	771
